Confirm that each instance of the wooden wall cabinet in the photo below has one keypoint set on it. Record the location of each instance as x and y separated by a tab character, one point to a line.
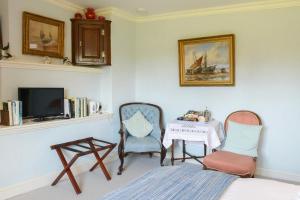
91	42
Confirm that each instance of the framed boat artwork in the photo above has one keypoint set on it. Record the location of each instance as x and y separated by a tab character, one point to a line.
207	61
43	36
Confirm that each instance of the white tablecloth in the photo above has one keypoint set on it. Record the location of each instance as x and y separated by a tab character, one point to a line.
210	133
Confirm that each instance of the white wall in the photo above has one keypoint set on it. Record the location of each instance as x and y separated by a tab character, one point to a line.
267	70
123	66
32	157
75	83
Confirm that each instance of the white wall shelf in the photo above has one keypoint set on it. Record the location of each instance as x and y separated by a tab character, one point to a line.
30	126
50	67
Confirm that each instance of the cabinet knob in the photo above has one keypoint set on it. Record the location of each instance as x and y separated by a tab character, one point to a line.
102	32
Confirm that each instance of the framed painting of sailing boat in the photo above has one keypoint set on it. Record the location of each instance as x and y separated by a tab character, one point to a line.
42	36
207	61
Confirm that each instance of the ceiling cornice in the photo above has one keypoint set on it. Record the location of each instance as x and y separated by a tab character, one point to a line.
117	12
244	7
265	5
66	5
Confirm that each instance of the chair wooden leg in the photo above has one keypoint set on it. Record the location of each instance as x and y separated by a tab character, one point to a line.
172	153
183	151
162	155
121	156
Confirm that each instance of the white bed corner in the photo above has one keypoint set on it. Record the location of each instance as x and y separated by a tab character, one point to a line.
261	189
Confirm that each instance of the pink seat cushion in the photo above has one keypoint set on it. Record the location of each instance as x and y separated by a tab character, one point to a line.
231	163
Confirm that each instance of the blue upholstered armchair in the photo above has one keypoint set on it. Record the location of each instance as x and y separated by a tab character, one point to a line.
151	143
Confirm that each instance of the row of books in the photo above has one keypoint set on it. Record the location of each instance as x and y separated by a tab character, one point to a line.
11	113
76	107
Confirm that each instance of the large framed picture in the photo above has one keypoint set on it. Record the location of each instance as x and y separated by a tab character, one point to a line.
207	61
42	36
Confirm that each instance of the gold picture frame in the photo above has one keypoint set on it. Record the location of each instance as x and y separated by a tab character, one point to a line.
207	61
43	36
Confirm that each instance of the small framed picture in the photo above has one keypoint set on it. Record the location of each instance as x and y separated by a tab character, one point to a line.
43	36
207	61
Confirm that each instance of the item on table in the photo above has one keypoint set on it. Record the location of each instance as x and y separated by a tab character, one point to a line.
180	118
191	115
201	119
198	116
207	115
90	13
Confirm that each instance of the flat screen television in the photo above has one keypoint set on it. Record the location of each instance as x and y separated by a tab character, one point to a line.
41	102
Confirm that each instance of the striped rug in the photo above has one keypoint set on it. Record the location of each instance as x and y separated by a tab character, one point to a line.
184	182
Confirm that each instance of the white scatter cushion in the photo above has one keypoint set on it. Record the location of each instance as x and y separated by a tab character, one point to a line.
138	125
242	138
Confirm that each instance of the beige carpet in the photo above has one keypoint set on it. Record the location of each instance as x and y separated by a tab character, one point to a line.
93	184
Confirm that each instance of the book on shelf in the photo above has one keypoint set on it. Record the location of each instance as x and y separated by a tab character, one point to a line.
78	107
67	108
81	107
11	113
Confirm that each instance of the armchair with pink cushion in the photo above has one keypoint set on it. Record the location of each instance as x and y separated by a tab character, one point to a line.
229	162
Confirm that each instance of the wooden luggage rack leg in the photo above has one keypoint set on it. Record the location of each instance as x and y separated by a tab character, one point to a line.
67	169
91	148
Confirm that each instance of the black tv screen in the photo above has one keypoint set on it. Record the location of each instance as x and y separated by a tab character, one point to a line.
41	102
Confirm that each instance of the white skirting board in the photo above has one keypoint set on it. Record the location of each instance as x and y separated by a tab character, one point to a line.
46	180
